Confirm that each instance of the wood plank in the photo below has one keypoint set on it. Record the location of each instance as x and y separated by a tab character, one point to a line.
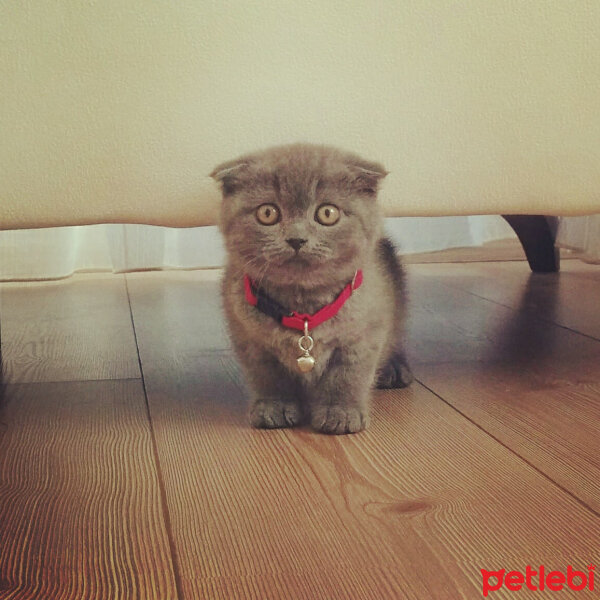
555	427
570	298
448	324
499	250
69	330
509	249
80	507
533	385
183	297
412	508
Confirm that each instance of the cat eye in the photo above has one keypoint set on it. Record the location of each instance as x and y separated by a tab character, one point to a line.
267	214
327	214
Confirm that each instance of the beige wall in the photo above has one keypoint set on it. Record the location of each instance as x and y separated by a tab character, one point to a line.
117	109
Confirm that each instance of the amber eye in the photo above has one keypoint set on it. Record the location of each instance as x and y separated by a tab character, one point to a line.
267	214
327	214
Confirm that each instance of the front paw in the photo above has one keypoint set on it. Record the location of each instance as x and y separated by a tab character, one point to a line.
339	419
395	374
272	414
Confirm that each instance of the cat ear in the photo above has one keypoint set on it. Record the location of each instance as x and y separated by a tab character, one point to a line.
366	175
229	175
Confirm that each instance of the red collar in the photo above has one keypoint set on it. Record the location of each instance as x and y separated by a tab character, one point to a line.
293	319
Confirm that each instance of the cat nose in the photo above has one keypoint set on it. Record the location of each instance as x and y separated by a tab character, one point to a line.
296	243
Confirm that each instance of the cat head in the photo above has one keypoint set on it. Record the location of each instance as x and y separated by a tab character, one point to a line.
299	214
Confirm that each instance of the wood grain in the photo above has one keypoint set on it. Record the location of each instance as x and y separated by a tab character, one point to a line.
182	298
496	251
72	330
533	385
570	298
412	508
491	462
80	508
501	250
449	324
556	428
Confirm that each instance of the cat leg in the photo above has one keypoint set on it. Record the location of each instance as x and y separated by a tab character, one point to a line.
395	373
273	413
276	398
340	401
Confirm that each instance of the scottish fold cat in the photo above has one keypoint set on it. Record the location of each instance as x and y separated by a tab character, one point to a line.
313	292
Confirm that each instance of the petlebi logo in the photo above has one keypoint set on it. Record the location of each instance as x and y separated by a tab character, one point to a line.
538	579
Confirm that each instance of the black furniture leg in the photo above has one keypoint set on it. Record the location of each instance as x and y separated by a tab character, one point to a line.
537	234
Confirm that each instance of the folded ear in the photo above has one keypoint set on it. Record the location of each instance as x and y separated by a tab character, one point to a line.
229	175
366	175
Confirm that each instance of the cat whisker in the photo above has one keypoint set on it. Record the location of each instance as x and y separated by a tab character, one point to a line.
242	270
263	274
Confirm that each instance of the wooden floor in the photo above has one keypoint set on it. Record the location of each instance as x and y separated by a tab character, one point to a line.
128	470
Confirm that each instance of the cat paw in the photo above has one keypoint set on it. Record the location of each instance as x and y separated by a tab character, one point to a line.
339	419
272	414
395	374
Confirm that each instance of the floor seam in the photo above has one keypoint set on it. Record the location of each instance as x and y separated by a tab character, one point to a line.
528	312
161	484
511	450
9	383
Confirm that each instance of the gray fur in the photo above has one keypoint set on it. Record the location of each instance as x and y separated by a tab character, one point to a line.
358	348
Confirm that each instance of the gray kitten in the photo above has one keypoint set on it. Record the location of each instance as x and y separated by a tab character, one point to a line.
303	234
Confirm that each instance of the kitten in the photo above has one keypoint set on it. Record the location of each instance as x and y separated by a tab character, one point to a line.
303	234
